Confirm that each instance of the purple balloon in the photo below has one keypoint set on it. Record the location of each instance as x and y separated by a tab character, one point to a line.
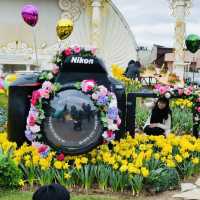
30	14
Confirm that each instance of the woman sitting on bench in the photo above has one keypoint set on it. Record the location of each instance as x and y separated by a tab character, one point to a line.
159	122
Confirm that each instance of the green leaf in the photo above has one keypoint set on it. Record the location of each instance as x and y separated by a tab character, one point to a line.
77	85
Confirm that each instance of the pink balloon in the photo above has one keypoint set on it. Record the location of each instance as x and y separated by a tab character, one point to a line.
30	14
1	84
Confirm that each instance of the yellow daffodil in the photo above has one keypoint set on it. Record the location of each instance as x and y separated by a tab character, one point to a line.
58	164
195	161
178	158
144	171
67	176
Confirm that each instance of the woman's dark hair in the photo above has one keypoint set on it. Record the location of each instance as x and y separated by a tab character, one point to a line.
51	192
137	63
159	115
131	62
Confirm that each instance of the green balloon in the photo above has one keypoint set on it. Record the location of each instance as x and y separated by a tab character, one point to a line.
6	84
192	43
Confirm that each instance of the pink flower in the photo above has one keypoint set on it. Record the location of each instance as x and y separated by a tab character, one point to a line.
157	86
93	50
190	88
35	97
119	121
198	109
187	92
47	85
198	100
44	93
102	90
87	85
180	92
31	120
55	69
42	149
68	52
109	135
61	157
77	49
162	90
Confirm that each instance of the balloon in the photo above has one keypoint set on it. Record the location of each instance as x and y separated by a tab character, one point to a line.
30	14
5	85
64	28
1	84
11	78
192	42
2	91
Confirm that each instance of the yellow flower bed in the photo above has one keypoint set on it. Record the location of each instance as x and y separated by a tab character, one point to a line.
183	103
128	158
128	155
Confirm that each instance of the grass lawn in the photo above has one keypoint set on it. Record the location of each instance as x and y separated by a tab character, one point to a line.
20	195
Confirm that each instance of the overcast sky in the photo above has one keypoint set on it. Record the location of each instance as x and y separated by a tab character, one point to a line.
151	22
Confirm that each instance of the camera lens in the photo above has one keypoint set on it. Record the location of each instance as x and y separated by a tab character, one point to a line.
72	123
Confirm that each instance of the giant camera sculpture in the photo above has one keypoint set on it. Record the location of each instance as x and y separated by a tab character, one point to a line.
72	124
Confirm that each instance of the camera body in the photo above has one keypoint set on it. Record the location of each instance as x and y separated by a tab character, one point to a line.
69	108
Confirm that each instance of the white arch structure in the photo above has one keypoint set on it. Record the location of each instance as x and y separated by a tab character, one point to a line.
97	23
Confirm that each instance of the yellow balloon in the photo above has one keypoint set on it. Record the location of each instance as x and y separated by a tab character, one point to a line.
2	91
64	28
11	78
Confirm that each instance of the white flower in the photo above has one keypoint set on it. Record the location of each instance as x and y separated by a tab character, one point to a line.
109	121
180	85
36	144
112	127
196	119
167	95
87	48
50	76
113	103
95	96
35	129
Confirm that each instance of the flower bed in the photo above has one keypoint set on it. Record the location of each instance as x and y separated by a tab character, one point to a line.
145	162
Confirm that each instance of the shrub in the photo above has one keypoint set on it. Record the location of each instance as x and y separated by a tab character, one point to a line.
142	114
3	119
181	120
10	174
162	179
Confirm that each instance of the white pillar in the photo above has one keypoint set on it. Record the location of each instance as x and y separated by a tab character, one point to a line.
1	70
28	68
179	11
96	23
179	38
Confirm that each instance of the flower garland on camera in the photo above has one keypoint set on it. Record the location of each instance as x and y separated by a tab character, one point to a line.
104	100
190	93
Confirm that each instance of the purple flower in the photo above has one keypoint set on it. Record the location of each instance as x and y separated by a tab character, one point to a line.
29	135
45	154
102	100
112	113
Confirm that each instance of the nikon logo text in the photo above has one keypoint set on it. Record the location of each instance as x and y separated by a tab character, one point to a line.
81	60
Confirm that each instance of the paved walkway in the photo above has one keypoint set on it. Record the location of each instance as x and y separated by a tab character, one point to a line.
189	191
